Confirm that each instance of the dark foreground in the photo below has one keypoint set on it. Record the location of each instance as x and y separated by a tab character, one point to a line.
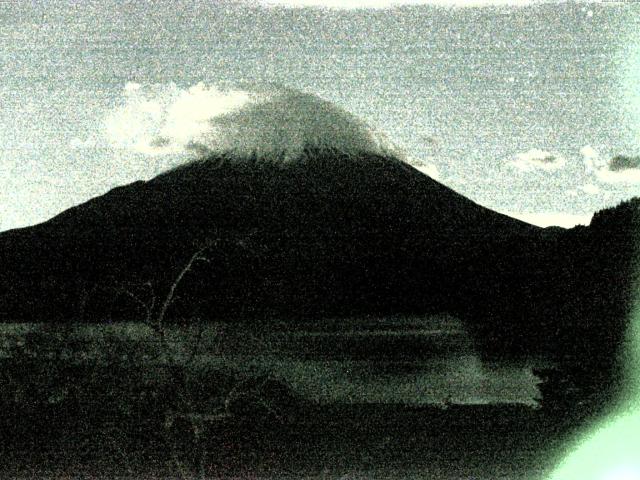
102	405
363	442
95	436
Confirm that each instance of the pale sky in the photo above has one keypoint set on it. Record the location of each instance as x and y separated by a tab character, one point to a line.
362	4
533	111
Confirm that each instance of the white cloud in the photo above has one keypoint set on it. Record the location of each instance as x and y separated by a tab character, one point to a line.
81	144
429	169
592	159
268	122
190	113
631	175
426	166
619	169
132	86
536	159
588	152
590	188
159	120
566	220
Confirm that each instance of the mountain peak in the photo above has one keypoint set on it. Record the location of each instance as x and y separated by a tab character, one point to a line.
257	122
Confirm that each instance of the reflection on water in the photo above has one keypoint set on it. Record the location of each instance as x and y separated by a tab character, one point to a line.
413	361
341	441
410	360
457	379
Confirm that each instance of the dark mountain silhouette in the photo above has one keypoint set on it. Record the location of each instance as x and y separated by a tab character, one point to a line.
327	235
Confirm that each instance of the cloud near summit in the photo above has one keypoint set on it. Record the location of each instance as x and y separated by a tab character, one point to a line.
264	121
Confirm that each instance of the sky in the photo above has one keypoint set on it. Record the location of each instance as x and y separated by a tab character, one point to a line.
529	108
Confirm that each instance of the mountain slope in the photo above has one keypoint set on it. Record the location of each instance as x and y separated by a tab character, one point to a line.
329	234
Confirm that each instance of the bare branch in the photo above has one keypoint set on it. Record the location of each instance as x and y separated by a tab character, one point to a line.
177	365
197	256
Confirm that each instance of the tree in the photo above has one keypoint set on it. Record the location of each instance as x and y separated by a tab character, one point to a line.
185	408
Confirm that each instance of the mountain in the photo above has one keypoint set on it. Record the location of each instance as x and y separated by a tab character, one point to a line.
327	234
